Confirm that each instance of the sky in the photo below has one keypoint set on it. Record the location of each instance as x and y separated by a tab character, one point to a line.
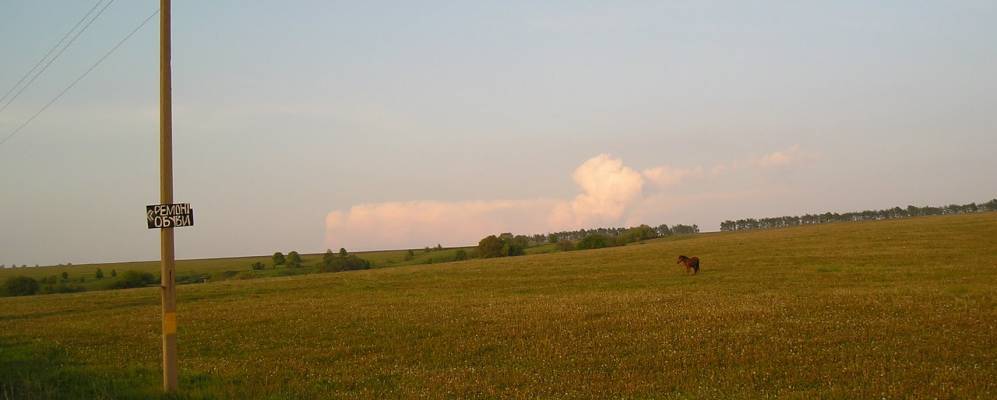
306	125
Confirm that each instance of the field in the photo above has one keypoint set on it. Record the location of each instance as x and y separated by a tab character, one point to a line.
888	309
215	269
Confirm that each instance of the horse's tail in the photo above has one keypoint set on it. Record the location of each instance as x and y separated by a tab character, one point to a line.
695	265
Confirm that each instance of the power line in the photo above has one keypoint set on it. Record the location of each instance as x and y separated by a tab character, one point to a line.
50	61
45	57
80	78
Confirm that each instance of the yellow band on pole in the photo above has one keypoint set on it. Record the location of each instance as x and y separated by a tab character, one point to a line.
170	323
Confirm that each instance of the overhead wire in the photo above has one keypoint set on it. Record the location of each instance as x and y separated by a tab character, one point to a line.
50	51
51	60
80	78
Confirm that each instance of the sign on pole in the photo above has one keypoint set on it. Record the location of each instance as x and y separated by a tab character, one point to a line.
169	215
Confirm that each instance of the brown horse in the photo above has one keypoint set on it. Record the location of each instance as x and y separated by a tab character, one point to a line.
690	263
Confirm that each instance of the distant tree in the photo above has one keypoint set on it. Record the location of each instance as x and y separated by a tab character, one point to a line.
134	279
100	274
348	262
515	246
438	247
278	259
20	286
114	273
328	256
426	250
409	255
565	245
293	259
640	233
490	246
460	255
65	275
342	252
593	241
552	238
664	230
256	266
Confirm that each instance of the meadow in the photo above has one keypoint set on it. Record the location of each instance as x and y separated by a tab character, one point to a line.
885	309
216	269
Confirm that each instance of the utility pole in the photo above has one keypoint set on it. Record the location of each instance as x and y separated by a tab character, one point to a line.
167	278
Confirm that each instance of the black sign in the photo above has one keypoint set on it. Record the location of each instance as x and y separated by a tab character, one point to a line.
169	215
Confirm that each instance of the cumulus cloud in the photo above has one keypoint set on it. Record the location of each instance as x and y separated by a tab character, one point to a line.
610	194
608	188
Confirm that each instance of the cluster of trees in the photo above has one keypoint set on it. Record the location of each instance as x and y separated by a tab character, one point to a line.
507	244
292	260
647	232
331	262
868	215
344	261
504	245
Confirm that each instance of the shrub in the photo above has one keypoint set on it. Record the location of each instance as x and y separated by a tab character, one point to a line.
100	274
63	288
257	266
114	273
134	279
347	263
409	255
20	286
460	255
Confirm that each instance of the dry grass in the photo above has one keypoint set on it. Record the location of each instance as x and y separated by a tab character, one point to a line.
894	309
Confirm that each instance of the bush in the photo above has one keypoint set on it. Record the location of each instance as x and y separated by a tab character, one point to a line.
460	255
409	255
20	286
63	288
134	279
100	274
347	263
257	266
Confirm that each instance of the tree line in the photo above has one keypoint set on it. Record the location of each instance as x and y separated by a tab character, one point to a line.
507	244
867	215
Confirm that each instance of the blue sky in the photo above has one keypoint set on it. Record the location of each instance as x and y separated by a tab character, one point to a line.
306	125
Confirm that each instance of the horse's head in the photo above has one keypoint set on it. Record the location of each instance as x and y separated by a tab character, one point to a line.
682	259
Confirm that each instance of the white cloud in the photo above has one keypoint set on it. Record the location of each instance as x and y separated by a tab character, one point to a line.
611	194
784	158
668	176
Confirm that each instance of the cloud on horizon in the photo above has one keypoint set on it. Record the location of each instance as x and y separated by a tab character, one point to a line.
611	194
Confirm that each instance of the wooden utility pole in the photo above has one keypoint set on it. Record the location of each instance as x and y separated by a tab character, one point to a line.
169	294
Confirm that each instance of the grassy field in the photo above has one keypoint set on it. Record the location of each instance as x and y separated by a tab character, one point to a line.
214	269
890	309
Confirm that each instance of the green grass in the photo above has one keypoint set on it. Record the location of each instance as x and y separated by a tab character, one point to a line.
890	309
